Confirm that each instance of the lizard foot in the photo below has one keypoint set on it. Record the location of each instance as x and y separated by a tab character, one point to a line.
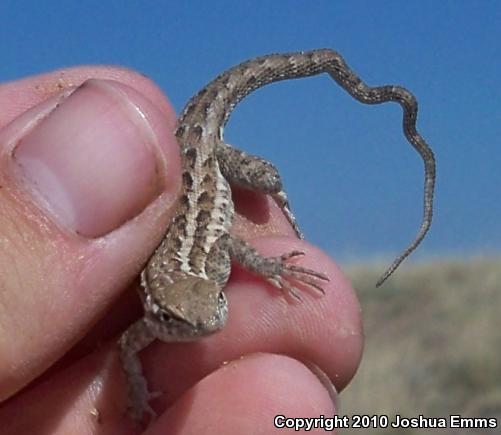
139	398
301	274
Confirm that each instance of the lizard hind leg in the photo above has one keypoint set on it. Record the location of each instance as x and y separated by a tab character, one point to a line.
256	174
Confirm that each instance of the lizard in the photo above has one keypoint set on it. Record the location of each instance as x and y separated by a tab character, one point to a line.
183	281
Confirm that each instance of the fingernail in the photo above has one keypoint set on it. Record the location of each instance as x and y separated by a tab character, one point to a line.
326	382
93	161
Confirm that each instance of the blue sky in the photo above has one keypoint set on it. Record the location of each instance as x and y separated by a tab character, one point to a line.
354	182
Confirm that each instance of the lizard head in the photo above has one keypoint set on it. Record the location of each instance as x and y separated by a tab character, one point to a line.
189	307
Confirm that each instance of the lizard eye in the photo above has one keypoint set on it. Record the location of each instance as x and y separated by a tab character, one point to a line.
166	316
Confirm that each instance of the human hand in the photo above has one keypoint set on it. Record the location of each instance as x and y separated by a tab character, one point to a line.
89	179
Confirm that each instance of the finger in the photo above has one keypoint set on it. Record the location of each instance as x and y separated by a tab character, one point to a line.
21	95
257	215
89	180
87	397
323	330
238	397
246	397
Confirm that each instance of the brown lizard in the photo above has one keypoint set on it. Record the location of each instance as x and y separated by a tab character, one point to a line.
184	279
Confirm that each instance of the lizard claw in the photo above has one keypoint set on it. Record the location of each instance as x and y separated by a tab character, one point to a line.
139	403
137	414
291	254
308	277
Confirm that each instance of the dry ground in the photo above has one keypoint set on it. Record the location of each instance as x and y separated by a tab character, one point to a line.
433	344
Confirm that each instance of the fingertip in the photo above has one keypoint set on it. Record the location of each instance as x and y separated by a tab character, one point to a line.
16	97
80	211
248	396
325	328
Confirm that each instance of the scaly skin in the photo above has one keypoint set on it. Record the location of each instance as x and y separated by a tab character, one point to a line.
184	280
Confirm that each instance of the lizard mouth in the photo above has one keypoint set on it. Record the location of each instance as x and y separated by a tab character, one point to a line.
177	325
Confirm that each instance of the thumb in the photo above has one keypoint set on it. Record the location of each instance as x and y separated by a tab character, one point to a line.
88	180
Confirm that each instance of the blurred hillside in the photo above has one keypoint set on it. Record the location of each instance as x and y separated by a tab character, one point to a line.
433	344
